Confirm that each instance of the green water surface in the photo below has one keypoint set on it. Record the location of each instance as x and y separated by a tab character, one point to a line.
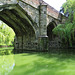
7	62
37	64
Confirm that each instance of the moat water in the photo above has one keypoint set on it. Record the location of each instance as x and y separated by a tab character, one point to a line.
7	62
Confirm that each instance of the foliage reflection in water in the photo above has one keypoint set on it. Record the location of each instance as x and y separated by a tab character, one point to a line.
7	64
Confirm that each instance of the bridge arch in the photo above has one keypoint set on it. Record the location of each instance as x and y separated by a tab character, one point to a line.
22	24
50	27
30	21
18	19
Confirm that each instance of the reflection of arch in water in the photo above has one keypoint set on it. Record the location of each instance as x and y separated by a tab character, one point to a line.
50	27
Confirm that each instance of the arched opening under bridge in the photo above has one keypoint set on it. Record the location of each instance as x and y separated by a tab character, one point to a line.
6	35
22	25
50	27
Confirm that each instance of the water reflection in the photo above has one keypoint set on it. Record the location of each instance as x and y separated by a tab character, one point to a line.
7	64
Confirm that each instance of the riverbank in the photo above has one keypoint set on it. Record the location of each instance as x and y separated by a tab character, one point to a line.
1	46
5	48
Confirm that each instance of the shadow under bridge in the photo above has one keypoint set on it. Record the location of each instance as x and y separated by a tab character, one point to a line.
18	19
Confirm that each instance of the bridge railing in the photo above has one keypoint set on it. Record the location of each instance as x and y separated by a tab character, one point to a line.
2	2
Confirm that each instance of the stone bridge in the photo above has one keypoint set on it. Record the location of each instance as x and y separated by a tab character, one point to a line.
32	22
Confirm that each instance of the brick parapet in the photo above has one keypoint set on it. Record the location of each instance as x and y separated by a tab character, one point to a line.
50	10
35	3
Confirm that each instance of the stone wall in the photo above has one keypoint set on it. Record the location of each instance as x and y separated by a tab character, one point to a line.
8	2
32	8
34	3
29	19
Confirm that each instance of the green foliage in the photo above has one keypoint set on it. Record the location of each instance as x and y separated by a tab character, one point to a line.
6	50
6	34
66	31
69	4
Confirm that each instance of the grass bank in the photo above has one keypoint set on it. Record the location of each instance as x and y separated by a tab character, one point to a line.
43	64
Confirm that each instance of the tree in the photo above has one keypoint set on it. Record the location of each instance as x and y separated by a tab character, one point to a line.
6	34
66	31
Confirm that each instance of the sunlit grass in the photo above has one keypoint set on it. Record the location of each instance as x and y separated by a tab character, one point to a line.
43	64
